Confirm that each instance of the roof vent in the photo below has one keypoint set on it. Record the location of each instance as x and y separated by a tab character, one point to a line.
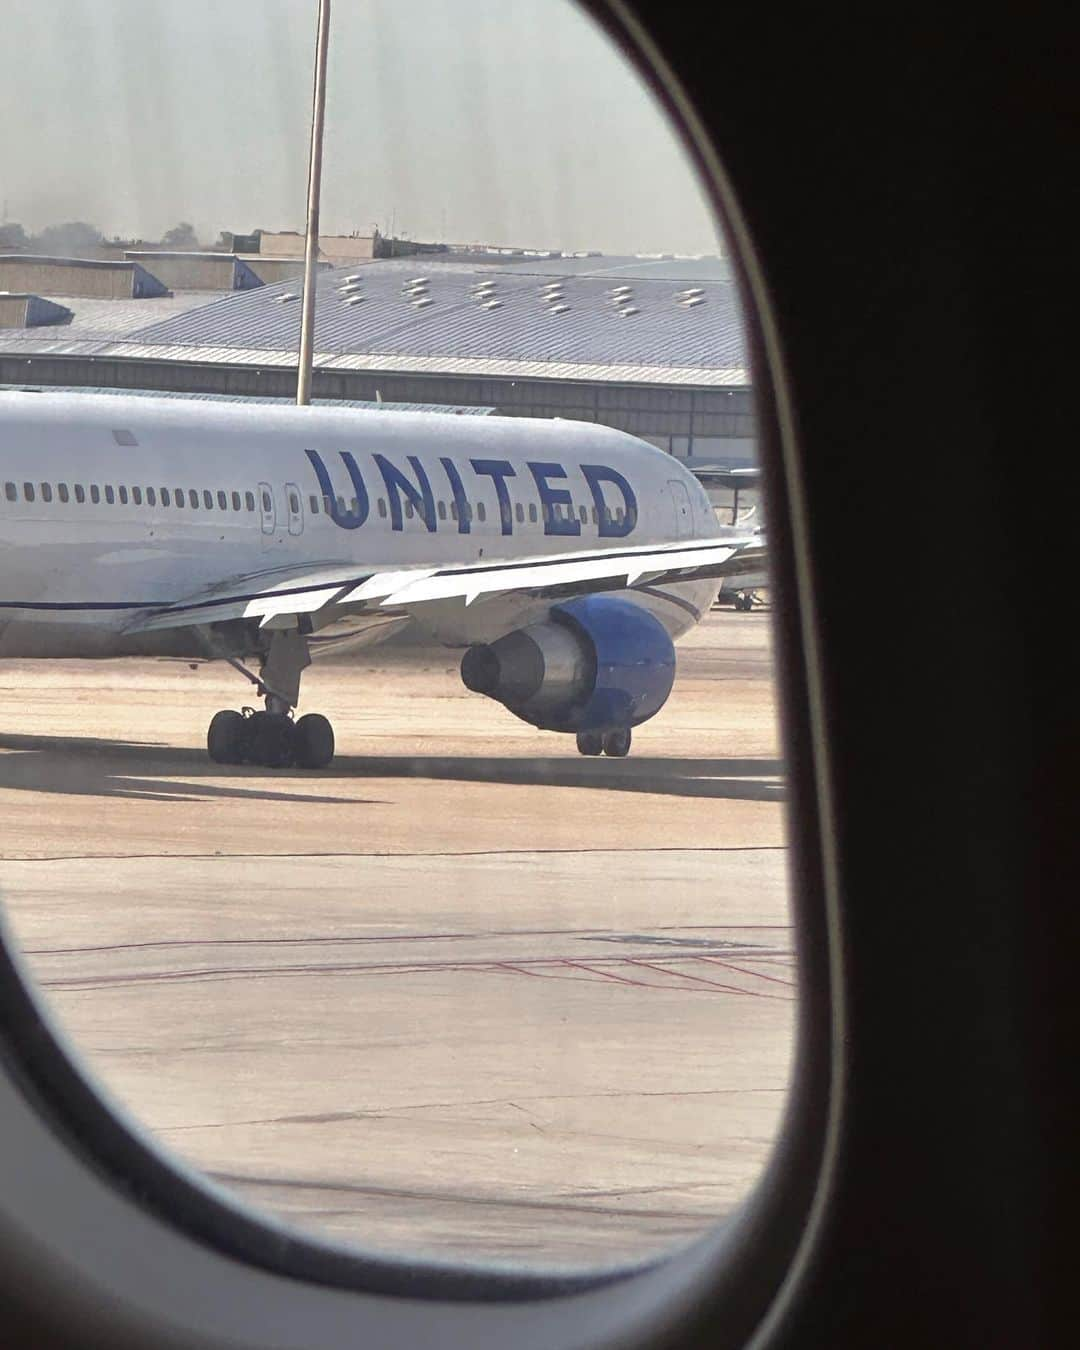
423	302
694	301
355	276
417	281
350	287
691	293
559	309
621	290
629	309
493	304
286	297
354	299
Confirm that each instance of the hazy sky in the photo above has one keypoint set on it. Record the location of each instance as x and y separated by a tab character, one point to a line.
508	121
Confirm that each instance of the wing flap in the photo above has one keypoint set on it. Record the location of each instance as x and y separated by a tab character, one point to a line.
297	591
537	575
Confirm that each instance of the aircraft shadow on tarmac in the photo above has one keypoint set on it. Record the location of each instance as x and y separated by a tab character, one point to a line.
88	766
84	766
744	779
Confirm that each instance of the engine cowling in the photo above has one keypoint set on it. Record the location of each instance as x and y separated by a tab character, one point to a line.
598	662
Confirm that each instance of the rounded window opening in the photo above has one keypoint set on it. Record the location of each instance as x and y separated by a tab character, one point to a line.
484	863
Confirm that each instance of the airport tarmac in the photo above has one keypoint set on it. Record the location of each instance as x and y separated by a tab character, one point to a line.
465	992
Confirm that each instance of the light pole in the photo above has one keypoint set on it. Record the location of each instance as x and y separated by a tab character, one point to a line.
311	242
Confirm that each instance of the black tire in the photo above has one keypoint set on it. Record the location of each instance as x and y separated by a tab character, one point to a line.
225	737
269	740
313	742
617	743
590	743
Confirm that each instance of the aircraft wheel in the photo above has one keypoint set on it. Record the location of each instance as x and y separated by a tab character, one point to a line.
270	739
590	743
617	743
313	742
225	737
744	602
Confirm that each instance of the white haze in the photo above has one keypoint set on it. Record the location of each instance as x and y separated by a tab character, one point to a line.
466	120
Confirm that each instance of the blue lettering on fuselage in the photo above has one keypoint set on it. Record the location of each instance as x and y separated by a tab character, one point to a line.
550	498
556	502
461	502
348	520
500	470
610	527
397	483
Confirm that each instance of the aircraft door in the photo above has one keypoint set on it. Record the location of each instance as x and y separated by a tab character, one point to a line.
267	513
294	504
684	512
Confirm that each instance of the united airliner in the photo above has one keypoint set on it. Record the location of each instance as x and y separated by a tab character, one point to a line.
564	557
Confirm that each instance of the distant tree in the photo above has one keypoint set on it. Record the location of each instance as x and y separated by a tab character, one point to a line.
73	238
12	235
181	236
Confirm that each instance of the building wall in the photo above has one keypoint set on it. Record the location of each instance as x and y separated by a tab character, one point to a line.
13	310
57	276
30	311
708	423
340	249
198	271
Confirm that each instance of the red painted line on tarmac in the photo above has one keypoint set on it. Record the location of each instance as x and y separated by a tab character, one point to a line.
608	975
682	975
754	974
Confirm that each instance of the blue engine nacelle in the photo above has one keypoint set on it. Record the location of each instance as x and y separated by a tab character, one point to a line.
597	663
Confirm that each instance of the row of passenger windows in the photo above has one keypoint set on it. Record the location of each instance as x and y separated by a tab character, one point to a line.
178	497
557	512
236	501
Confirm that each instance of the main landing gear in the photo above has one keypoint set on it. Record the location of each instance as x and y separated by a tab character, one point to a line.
271	737
614	743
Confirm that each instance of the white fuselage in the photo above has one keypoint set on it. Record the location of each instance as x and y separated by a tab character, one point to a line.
111	506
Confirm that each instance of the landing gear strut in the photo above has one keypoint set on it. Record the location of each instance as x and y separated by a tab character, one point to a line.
614	743
271	737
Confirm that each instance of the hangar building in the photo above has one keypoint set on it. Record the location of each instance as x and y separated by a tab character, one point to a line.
653	346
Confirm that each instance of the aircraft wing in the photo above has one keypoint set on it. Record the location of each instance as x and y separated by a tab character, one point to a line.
300	591
726	475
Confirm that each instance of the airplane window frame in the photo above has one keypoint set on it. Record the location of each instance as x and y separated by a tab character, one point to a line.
278	1276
